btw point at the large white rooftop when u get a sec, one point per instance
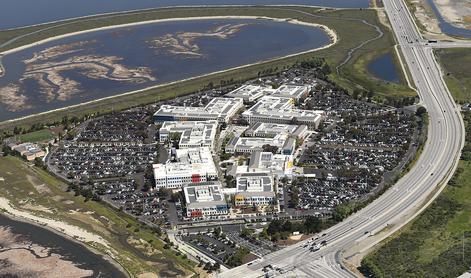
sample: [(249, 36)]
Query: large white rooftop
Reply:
[(281, 108), (291, 91), (203, 195), (188, 162), (192, 134), (250, 93), (218, 108), (273, 129)]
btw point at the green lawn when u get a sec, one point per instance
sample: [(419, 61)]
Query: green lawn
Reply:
[(438, 242), (34, 190), (36, 136), (457, 69), (346, 23)]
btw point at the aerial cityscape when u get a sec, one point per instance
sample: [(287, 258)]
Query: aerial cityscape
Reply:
[(233, 138)]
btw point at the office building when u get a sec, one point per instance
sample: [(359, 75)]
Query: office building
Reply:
[(218, 109), (192, 134), (255, 189), (250, 93), (205, 201), (281, 110), (294, 92), (185, 166)]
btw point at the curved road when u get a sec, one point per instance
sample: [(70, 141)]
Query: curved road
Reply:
[(404, 200)]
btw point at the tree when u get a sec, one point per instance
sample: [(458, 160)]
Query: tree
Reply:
[(207, 266), (420, 111), (341, 212), (270, 148), (87, 194), (246, 233), (312, 224), (326, 69), (163, 192), (147, 185), (217, 231), (175, 197)]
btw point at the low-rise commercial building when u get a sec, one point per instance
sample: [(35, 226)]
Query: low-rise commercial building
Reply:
[(271, 130), (295, 92), (29, 150), (185, 166), (281, 110), (278, 164), (253, 144), (205, 201), (218, 109), (255, 189), (250, 93), (192, 134)]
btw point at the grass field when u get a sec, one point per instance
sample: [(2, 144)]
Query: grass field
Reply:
[(438, 242), (133, 245), (457, 69), (36, 136), (346, 23)]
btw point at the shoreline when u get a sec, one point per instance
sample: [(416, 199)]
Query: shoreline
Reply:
[(330, 32), (137, 11), (450, 14), (2, 69), (8, 211)]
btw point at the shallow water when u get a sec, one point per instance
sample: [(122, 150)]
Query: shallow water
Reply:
[(110, 62), (383, 67), (67, 249), (447, 27)]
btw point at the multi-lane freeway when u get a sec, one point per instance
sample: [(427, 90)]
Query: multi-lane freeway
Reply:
[(406, 198)]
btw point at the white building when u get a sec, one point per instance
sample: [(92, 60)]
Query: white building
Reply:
[(218, 109), (281, 110), (253, 144), (277, 164), (185, 166), (271, 130), (250, 93), (192, 134), (255, 189), (291, 91), (205, 201)]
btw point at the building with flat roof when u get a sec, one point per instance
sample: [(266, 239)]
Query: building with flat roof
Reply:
[(271, 130), (253, 144), (218, 109), (185, 166), (295, 92), (250, 93), (255, 189), (205, 201), (281, 110), (192, 134), (29, 150), (277, 164)]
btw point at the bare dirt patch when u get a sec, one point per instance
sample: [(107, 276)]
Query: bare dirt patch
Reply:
[(38, 185)]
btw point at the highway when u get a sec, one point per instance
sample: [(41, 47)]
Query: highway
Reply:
[(451, 44), (408, 196)]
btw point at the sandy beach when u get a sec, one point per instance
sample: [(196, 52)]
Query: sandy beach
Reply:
[(2, 71), (65, 228), (457, 12), (332, 34)]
